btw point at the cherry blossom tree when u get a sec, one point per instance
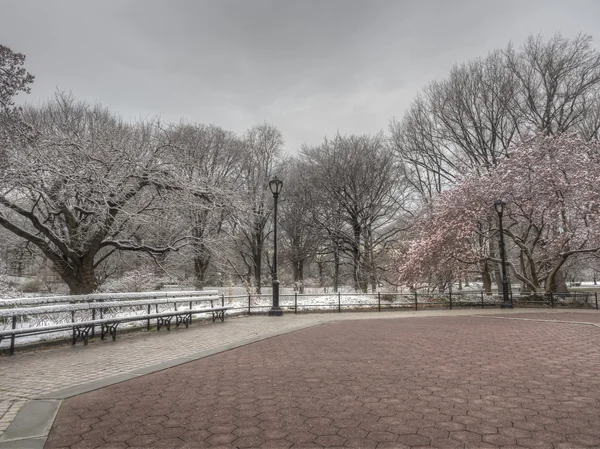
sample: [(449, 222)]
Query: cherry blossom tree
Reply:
[(551, 186)]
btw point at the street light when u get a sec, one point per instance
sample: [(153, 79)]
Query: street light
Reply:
[(275, 185), (507, 303)]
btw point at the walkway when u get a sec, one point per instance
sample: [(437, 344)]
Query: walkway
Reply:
[(434, 382)]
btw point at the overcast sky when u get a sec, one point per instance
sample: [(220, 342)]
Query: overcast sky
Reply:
[(309, 67)]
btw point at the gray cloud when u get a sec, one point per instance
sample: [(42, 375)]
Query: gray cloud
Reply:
[(310, 67)]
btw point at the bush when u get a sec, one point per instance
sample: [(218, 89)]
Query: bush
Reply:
[(137, 280), (8, 288), (31, 286), (388, 297)]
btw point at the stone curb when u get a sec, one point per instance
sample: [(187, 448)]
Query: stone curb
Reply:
[(33, 423)]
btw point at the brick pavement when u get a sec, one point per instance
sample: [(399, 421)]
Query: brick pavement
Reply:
[(30, 374), (33, 373), (445, 382), (590, 316)]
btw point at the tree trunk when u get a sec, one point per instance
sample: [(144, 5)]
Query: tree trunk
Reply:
[(321, 277), (79, 275), (257, 256), (301, 275), (356, 256), (336, 267), (556, 282), (200, 267), (486, 278)]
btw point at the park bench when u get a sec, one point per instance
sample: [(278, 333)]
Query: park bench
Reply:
[(84, 328), (99, 297)]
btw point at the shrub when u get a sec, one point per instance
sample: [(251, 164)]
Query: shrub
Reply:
[(31, 286)]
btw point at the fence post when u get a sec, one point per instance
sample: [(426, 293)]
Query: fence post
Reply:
[(450, 292), (379, 301), (551, 300), (596, 295), (249, 306), (295, 302), (93, 325), (12, 337), (148, 323), (339, 302), (416, 301), (482, 306), (222, 300)]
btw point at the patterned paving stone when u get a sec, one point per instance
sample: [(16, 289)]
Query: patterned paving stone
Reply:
[(443, 382)]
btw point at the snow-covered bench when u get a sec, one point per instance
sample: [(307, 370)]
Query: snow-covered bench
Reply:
[(102, 297), (82, 329)]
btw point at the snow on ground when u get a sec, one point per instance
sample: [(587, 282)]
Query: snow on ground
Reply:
[(49, 311)]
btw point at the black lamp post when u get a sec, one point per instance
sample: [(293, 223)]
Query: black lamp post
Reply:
[(506, 302), (275, 185)]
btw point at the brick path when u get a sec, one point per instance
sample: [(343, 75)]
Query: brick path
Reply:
[(556, 315), (27, 375), (30, 374), (445, 382)]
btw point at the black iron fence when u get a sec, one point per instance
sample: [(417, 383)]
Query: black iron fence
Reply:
[(381, 302), (338, 302)]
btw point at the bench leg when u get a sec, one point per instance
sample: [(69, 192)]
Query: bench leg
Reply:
[(1, 342), (219, 314), (160, 322), (109, 328), (183, 319), (81, 332)]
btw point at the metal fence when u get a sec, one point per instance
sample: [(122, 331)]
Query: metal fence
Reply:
[(354, 302)]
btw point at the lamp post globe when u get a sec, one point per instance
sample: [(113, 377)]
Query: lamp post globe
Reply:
[(499, 205), (275, 185)]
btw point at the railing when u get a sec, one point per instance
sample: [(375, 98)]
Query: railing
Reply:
[(99, 297), (44, 311), (338, 302)]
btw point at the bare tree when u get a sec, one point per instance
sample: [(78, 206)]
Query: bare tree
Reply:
[(262, 146), (469, 121), (299, 236), (88, 185), (559, 82), (211, 156), (361, 176)]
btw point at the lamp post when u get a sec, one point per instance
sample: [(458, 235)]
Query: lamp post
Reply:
[(506, 302), (275, 185)]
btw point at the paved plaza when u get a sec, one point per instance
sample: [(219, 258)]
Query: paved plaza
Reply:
[(467, 379)]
